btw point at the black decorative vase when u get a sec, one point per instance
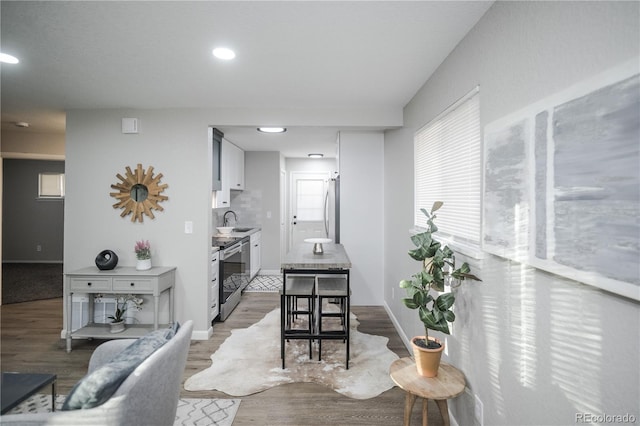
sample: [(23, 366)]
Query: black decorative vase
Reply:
[(106, 260)]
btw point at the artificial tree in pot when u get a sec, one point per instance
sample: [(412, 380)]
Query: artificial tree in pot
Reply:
[(438, 270)]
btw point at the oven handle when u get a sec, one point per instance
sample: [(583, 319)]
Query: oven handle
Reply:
[(230, 252)]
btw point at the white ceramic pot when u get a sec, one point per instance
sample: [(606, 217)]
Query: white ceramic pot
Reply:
[(143, 264), (117, 327)]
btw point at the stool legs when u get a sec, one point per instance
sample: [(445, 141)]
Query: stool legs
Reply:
[(336, 289), (343, 315), (295, 288), (409, 401)]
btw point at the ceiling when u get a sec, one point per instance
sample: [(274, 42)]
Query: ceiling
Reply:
[(295, 55)]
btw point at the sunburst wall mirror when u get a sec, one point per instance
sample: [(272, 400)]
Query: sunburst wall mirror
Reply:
[(139, 193)]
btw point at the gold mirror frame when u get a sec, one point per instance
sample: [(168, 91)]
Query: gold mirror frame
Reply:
[(131, 205)]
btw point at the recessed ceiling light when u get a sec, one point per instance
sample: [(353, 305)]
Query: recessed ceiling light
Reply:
[(8, 59), (272, 129), (224, 53), (316, 155)]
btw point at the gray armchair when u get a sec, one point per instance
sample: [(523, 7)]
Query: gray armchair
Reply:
[(148, 396)]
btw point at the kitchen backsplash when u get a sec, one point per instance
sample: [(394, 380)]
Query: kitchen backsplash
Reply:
[(246, 204)]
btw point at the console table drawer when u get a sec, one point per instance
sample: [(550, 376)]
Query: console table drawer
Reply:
[(133, 284), (90, 284)]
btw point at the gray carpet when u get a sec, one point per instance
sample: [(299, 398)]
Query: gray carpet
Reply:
[(24, 282)]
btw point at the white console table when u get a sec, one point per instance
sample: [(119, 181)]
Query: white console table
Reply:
[(121, 280)]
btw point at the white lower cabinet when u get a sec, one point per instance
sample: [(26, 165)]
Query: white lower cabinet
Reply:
[(256, 254), (214, 287)]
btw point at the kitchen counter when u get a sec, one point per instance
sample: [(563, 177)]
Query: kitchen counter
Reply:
[(234, 236), (301, 257)]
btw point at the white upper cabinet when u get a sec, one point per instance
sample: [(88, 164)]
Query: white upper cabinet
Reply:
[(232, 173), (236, 165)]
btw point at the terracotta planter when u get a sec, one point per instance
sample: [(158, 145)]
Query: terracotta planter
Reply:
[(427, 360)]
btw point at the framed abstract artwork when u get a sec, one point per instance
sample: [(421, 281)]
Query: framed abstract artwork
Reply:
[(562, 183)]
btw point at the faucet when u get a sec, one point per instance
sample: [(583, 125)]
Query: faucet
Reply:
[(225, 221)]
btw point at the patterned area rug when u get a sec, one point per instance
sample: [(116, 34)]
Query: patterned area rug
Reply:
[(265, 284), (191, 411), (256, 352)]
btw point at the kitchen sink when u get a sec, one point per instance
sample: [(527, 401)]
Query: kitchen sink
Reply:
[(242, 229)]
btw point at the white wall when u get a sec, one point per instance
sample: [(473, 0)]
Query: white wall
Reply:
[(175, 144), (262, 173), (362, 213), (536, 348)]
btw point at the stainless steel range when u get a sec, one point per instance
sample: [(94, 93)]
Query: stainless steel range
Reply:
[(234, 271)]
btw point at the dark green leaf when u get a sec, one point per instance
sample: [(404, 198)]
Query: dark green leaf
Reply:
[(426, 278), (422, 239), (450, 316), (409, 303), (445, 301)]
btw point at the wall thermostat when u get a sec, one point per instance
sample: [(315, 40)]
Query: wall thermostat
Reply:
[(129, 125)]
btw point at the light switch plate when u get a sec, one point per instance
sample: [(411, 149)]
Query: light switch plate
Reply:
[(188, 227)]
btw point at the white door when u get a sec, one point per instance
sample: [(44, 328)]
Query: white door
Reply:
[(308, 192)]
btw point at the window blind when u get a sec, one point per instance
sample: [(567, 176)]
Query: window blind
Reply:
[(448, 165)]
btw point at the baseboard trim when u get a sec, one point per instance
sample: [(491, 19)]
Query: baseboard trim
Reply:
[(396, 325), (202, 334)]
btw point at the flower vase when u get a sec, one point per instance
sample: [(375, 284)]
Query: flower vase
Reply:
[(143, 264)]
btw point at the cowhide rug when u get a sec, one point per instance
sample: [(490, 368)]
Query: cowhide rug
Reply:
[(249, 362)]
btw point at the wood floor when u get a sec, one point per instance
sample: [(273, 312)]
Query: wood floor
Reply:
[(30, 337)]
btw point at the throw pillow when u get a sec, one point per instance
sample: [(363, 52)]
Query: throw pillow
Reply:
[(96, 388)]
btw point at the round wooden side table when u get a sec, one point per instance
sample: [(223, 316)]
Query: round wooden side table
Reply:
[(449, 383)]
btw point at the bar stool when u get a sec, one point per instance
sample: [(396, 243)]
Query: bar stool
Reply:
[(336, 288), (296, 288)]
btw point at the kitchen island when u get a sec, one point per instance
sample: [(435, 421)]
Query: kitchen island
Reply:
[(301, 258), (333, 262)]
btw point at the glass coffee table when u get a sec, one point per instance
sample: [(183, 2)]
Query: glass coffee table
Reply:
[(16, 387)]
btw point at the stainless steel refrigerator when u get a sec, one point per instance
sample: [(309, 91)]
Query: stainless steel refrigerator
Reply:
[(332, 210)]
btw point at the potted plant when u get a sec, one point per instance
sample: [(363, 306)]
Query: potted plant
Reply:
[(438, 270), (122, 304), (143, 254)]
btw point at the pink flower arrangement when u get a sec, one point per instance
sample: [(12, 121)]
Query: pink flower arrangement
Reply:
[(143, 250)]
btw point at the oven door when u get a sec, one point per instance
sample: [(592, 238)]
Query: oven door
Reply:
[(234, 264)]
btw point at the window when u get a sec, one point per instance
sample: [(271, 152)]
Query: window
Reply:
[(51, 185), (448, 168), (310, 201)]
